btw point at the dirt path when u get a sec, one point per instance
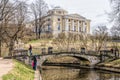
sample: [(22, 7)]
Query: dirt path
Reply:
[(5, 66), (37, 75)]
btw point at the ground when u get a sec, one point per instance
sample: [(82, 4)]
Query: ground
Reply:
[(5, 66)]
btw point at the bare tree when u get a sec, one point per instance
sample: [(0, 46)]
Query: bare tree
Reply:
[(115, 32), (100, 37), (4, 11), (115, 17), (39, 9), (68, 40), (60, 41), (84, 40), (17, 24)]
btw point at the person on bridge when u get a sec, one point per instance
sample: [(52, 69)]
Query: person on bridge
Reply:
[(111, 50), (30, 50)]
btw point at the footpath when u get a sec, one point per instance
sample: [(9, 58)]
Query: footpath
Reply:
[(37, 75), (5, 66)]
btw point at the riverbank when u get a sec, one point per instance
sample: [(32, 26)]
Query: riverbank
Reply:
[(6, 65), (110, 69), (112, 66), (20, 72)]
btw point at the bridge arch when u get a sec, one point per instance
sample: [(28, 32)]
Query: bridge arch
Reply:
[(92, 59), (64, 58)]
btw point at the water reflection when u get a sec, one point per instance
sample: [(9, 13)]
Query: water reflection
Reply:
[(78, 74)]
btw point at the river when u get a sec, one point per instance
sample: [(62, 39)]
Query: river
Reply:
[(78, 74)]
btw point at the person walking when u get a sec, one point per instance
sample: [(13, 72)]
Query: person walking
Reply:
[(34, 62), (30, 50)]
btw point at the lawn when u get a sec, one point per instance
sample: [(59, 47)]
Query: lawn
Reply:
[(20, 72), (114, 63)]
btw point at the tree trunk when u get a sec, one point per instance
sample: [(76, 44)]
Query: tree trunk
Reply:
[(11, 48), (0, 43), (39, 36), (0, 48), (36, 31), (36, 28)]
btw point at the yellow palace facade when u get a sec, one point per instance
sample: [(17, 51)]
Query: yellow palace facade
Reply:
[(58, 20)]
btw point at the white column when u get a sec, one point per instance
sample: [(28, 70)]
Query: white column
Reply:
[(78, 26), (66, 26), (73, 25)]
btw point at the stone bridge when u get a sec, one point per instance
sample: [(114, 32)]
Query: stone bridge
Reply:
[(93, 59)]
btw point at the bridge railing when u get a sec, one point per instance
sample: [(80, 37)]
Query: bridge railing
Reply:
[(50, 50), (82, 51), (18, 52)]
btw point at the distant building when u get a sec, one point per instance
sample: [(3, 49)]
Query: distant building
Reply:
[(58, 20)]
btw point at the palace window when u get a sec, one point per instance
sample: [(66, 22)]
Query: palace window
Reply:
[(79, 29), (69, 20), (69, 27), (74, 28), (49, 28), (59, 12), (58, 26), (80, 21), (58, 19), (85, 29)]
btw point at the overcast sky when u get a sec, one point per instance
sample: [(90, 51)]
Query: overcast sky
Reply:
[(95, 10)]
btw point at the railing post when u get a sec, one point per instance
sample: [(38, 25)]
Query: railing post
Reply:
[(50, 50), (73, 50), (101, 56), (43, 50), (82, 50)]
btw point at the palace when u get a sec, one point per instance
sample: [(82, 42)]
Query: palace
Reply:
[(58, 20)]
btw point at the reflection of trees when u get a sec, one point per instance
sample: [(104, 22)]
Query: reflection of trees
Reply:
[(77, 74), (106, 76), (83, 73), (60, 74), (116, 77)]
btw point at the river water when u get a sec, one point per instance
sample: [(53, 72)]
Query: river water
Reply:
[(78, 74)]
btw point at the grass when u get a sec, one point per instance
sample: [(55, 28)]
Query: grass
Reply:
[(20, 72), (34, 41), (114, 63), (39, 40)]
